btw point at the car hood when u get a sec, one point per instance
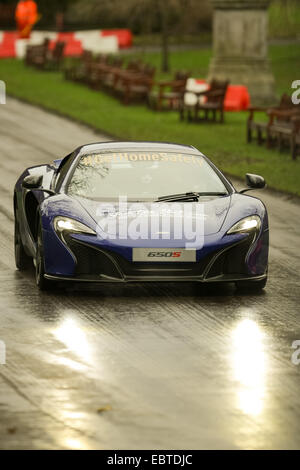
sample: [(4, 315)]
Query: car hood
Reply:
[(208, 215)]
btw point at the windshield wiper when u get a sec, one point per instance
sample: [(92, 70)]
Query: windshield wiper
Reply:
[(193, 196)]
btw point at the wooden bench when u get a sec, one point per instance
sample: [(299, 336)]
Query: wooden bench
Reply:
[(259, 129), (295, 141), (32, 51), (206, 109), (98, 69), (283, 130), (169, 93), (78, 69), (108, 72), (51, 59), (135, 86)]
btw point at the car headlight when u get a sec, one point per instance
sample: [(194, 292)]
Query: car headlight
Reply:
[(249, 224), (65, 224)]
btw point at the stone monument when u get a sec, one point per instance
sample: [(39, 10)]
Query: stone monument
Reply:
[(240, 47)]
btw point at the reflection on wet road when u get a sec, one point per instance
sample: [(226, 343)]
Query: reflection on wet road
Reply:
[(143, 366), (249, 361)]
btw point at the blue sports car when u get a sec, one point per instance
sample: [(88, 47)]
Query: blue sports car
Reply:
[(139, 211)]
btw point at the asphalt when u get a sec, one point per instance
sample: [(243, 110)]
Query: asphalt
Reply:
[(143, 366)]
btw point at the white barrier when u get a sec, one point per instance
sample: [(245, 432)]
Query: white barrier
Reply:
[(91, 40)]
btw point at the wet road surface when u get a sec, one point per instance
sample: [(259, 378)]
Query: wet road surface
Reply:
[(143, 366)]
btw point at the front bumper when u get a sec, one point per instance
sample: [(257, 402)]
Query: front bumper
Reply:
[(106, 279), (224, 264)]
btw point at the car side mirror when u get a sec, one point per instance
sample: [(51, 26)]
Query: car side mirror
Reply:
[(254, 182), (32, 182)]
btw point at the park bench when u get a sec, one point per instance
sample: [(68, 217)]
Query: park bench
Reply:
[(77, 70), (168, 95), (100, 67), (259, 129), (108, 73), (130, 83), (119, 74), (35, 50), (295, 141), (208, 103), (51, 59), (283, 130), (135, 85)]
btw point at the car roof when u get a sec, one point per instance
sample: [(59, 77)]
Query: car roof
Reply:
[(134, 146)]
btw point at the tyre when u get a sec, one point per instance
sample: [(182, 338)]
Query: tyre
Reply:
[(21, 258), (251, 286), (42, 283)]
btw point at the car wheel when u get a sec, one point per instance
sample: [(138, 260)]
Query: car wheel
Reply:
[(42, 283), (21, 258), (251, 286)]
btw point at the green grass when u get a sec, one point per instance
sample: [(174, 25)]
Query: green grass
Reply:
[(285, 63), (284, 19), (196, 61), (224, 144)]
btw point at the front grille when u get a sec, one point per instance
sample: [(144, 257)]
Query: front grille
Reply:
[(233, 260), (140, 269), (95, 261), (91, 260)]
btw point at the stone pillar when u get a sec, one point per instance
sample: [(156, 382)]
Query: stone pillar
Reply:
[(240, 47)]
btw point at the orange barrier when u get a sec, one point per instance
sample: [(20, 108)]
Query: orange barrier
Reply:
[(8, 44), (237, 98)]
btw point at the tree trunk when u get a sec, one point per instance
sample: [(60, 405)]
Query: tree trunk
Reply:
[(165, 67)]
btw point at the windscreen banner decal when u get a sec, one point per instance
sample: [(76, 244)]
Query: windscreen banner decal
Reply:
[(98, 159)]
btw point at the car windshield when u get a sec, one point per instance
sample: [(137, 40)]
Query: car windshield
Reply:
[(143, 176)]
